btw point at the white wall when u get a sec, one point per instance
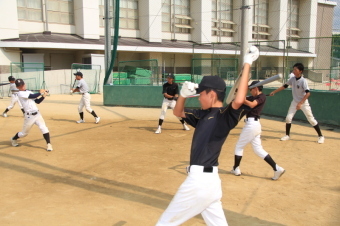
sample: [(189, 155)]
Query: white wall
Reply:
[(8, 19), (86, 13)]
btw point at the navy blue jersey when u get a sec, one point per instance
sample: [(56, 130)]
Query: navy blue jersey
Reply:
[(256, 111), (212, 128), (171, 89)]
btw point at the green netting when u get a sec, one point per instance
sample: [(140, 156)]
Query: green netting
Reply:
[(31, 73), (138, 72), (225, 68), (91, 74)]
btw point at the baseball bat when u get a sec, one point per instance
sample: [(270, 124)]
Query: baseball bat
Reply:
[(73, 85), (268, 80)]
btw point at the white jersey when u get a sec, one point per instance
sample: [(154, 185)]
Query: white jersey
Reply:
[(28, 104), (299, 87), (82, 86), (13, 87)]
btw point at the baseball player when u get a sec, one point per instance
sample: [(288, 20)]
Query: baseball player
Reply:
[(300, 91), (251, 132), (170, 93), (85, 99), (14, 96), (32, 114), (201, 192)]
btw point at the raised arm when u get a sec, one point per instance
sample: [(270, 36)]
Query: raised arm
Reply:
[(248, 59), (188, 89)]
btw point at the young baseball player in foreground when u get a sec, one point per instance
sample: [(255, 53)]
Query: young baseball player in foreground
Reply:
[(170, 93), (300, 91), (201, 192), (14, 97), (29, 100), (85, 99), (251, 132)]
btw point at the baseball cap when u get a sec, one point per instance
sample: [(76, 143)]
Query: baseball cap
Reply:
[(255, 82), (19, 82), (171, 76), (212, 82), (11, 78), (79, 73)]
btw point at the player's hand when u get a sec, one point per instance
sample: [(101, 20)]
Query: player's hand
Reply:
[(175, 98), (271, 94), (251, 55), (188, 89), (71, 91)]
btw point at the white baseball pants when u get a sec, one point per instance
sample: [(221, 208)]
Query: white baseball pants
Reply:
[(200, 193), (306, 109), (85, 101), (29, 121), (165, 105), (251, 133), (14, 99)]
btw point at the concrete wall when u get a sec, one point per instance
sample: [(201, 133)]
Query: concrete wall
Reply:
[(325, 112)]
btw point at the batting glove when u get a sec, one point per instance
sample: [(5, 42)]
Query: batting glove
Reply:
[(251, 55), (188, 89), (71, 91)]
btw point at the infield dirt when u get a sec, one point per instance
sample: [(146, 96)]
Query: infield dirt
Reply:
[(120, 173)]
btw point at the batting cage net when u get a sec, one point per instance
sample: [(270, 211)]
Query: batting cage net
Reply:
[(138, 72), (31, 73), (91, 74), (226, 68)]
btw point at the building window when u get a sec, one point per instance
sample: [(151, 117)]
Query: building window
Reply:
[(222, 14), (260, 26), (29, 10), (176, 16), (128, 14), (166, 16), (293, 20), (60, 11)]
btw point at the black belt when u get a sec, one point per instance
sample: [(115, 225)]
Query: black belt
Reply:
[(206, 169), (255, 118), (34, 113)]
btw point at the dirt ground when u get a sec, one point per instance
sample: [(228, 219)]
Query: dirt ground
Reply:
[(120, 173)]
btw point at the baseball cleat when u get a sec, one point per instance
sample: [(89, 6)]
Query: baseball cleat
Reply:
[(236, 171), (278, 173), (185, 127), (321, 139), (4, 114), (159, 130), (81, 121), (49, 147), (97, 120), (286, 137), (14, 142)]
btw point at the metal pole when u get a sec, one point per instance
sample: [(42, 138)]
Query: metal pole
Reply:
[(245, 23), (107, 19)]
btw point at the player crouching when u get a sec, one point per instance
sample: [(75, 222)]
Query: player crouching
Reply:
[(29, 100)]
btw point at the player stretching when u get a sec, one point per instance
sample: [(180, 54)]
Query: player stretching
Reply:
[(201, 192), (170, 93), (32, 114), (14, 97), (85, 99), (251, 132), (300, 91)]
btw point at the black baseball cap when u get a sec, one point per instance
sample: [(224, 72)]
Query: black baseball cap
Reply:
[(19, 82), (255, 82), (171, 76), (212, 82), (79, 73), (11, 78)]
